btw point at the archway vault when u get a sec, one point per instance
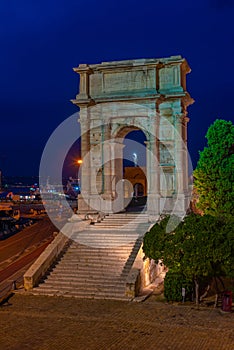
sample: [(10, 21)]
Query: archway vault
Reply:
[(117, 97)]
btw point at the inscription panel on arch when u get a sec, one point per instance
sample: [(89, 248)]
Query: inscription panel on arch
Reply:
[(129, 81)]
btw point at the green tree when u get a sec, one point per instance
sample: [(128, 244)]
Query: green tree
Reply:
[(214, 175), (206, 248), (201, 247)]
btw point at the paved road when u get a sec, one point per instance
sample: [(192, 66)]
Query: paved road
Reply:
[(59, 323), (23, 261), (21, 249), (22, 242)]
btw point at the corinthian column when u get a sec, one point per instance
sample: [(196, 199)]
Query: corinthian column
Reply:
[(153, 178), (181, 155), (83, 198)]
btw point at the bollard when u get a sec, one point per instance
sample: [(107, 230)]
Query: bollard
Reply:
[(183, 294), (227, 301)]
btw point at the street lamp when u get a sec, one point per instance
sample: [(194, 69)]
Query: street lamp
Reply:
[(79, 162), (135, 159)]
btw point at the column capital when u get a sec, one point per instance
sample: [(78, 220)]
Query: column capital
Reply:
[(83, 69), (83, 98)]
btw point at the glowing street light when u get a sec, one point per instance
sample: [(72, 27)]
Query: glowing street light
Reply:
[(79, 162), (135, 159)]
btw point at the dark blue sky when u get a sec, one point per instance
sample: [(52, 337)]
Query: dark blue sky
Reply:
[(41, 41)]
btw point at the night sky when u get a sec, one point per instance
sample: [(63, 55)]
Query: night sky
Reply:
[(41, 41)]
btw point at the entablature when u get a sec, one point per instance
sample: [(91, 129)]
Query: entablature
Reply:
[(132, 80)]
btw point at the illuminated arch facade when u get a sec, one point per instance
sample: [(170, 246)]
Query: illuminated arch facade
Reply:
[(117, 97)]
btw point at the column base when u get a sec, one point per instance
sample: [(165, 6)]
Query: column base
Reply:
[(177, 205), (95, 203), (153, 207)]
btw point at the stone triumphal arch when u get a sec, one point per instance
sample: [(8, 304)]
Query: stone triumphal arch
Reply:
[(118, 97)]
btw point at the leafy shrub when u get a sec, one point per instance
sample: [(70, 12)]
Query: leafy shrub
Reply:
[(173, 284)]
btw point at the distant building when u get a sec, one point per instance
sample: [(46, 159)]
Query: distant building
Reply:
[(137, 177)]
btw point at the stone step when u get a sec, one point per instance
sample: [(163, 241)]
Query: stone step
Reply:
[(98, 271), (91, 265), (100, 244), (95, 259), (114, 291), (99, 259), (73, 255), (116, 221), (120, 245), (70, 285), (80, 255), (79, 248), (117, 228), (83, 256), (94, 264), (104, 261), (120, 222), (124, 244), (90, 277), (103, 245), (103, 253), (123, 240), (127, 215), (85, 278), (83, 289), (142, 218), (114, 234), (118, 251), (129, 229), (88, 264), (76, 294), (107, 260)]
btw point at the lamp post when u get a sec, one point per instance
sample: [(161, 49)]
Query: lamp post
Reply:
[(79, 162), (135, 159)]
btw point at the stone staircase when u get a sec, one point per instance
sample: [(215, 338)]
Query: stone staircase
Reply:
[(98, 260)]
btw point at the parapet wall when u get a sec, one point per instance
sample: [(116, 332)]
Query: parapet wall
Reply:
[(44, 261)]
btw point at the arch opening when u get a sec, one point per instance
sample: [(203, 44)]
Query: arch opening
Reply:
[(134, 167)]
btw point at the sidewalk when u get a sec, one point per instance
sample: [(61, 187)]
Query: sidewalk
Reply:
[(54, 323)]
